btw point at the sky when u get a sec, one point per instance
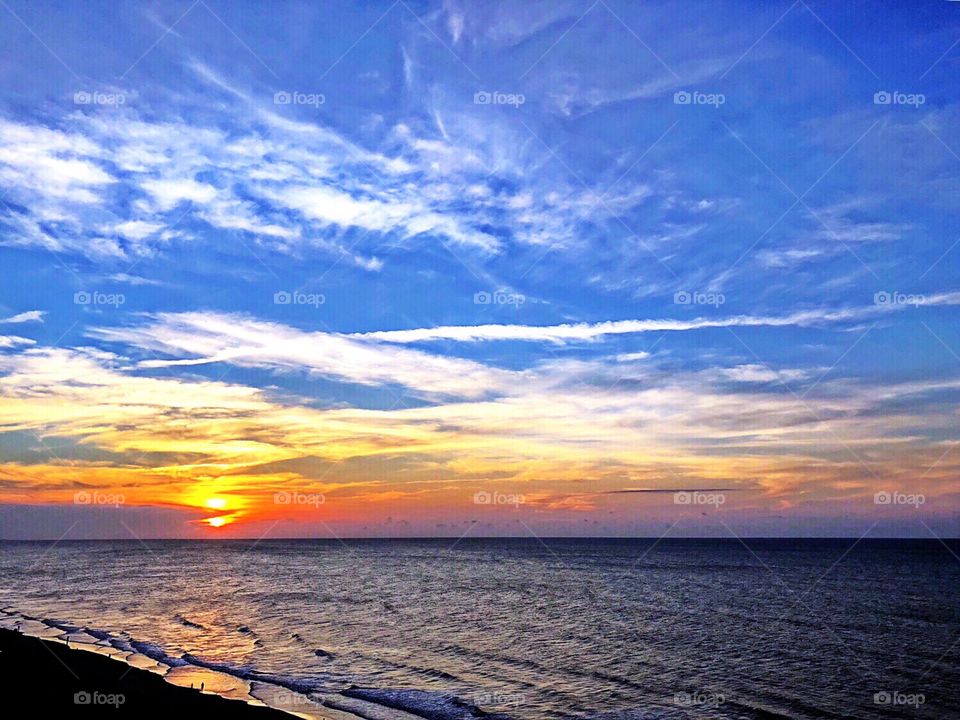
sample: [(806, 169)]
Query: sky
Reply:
[(534, 269)]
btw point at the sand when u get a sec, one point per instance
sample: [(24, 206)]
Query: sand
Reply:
[(62, 681)]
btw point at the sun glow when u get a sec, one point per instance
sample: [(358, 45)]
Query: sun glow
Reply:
[(216, 503)]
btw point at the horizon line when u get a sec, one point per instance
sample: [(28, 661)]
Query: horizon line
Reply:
[(344, 539)]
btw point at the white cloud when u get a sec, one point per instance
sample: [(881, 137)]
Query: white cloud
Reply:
[(632, 357), (28, 316), (238, 340), (754, 373), (136, 229), (296, 184), (132, 279), (785, 258), (170, 193), (57, 164), (593, 331)]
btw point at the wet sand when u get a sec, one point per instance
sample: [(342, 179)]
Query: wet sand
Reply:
[(76, 683)]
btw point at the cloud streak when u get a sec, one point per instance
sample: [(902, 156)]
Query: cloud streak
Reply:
[(594, 331), (243, 341)]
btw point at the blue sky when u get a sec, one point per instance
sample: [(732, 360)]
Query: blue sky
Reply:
[(558, 249)]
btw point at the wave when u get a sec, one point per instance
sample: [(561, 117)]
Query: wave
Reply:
[(188, 623), (424, 703)]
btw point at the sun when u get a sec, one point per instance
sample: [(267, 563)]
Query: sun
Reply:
[(226, 509)]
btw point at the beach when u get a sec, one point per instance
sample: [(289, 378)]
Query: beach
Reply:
[(79, 683)]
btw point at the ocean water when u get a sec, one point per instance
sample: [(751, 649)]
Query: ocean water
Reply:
[(598, 629)]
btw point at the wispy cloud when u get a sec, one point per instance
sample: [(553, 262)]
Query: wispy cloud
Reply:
[(25, 317), (593, 331), (213, 337)]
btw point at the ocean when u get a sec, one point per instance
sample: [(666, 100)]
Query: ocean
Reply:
[(528, 629)]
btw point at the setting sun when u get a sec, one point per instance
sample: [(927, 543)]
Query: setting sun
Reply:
[(216, 503)]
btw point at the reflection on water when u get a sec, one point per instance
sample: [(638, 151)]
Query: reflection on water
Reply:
[(611, 629)]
